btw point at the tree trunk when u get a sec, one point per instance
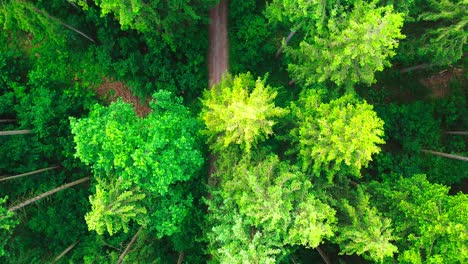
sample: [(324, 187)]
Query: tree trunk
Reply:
[(64, 24), (181, 258), (65, 251), (450, 156), (323, 255), (27, 173), (218, 55), (134, 238), (15, 132), (291, 34), (463, 133), (37, 198), (7, 120), (417, 67)]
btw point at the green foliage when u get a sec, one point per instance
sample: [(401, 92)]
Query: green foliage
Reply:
[(345, 131), (276, 197), (150, 154), (356, 45), (232, 239), (239, 111), (7, 224), (160, 17), (365, 231), (24, 15), (250, 45), (445, 43), (112, 210), (274, 202), (430, 223)]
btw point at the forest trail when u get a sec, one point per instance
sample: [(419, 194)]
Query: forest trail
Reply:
[(218, 54)]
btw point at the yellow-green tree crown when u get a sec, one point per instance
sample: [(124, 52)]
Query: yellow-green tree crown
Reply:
[(239, 111)]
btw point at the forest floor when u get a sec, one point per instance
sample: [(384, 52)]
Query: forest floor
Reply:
[(218, 54), (439, 83), (111, 90)]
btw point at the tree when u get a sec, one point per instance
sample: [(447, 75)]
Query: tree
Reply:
[(363, 231), (339, 136), (134, 158), (239, 111), (354, 47), (113, 209), (444, 43), (273, 200), (430, 223)]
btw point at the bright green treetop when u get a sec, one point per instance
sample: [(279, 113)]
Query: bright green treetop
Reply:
[(239, 111), (345, 131), (112, 210), (354, 46)]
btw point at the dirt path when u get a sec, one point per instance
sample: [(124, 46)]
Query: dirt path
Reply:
[(218, 55)]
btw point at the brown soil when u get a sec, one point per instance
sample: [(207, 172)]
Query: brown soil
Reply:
[(218, 55), (111, 90), (439, 83)]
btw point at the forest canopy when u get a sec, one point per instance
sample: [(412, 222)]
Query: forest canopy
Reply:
[(337, 133)]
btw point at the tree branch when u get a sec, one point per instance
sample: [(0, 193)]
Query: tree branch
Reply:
[(134, 238)]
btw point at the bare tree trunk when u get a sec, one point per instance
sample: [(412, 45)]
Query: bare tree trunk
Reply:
[(73, 4), (450, 156), (463, 133), (37, 198), (122, 256), (64, 24), (27, 173), (415, 68), (15, 132), (65, 251), (291, 34), (181, 258), (7, 120), (323, 255)]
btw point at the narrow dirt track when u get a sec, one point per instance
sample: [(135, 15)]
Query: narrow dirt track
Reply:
[(218, 55)]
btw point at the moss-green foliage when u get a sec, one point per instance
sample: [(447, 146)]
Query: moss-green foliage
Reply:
[(239, 111), (430, 223), (344, 132)]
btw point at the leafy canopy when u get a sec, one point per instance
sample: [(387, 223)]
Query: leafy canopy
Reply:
[(135, 158), (354, 46), (345, 131), (239, 111), (430, 222)]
